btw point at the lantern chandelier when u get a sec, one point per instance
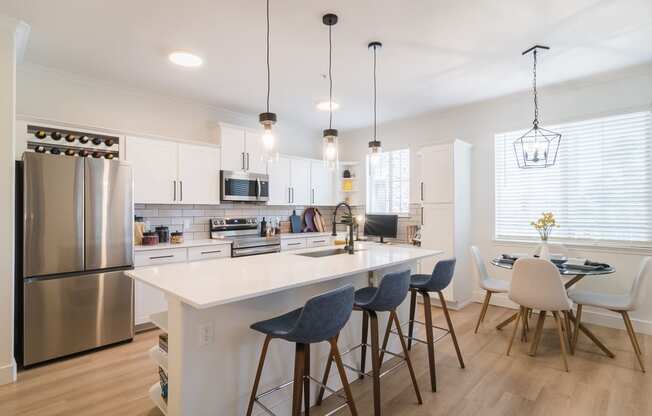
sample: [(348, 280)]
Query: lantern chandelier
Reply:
[(538, 147)]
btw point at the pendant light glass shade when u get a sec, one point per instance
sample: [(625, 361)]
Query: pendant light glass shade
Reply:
[(330, 142), (375, 147), (268, 119), (538, 147)]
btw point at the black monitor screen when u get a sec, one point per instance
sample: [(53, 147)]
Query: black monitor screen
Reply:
[(381, 225)]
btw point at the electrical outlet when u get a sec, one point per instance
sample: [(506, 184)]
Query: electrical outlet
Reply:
[(206, 334)]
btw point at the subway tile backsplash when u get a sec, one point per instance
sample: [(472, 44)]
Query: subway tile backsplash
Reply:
[(193, 220)]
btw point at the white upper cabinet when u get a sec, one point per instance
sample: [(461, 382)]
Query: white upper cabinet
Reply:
[(167, 172), (300, 181), (436, 163), (242, 149), (154, 164), (279, 181), (199, 179), (321, 184)]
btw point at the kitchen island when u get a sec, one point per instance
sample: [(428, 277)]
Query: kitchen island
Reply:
[(212, 353)]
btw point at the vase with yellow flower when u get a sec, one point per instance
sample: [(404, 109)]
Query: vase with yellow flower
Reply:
[(544, 226)]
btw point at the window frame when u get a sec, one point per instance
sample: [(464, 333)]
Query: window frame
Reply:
[(402, 214)]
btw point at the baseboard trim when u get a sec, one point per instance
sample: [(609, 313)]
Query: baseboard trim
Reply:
[(8, 373), (591, 315)]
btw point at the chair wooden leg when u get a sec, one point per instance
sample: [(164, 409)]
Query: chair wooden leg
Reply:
[(569, 332), (633, 339), (451, 329), (525, 327), (297, 387), (413, 308), (408, 361), (562, 340), (430, 339), (388, 331), (335, 353), (363, 348), (306, 381), (576, 332), (537, 333), (375, 356), (518, 320), (259, 371), (483, 311)]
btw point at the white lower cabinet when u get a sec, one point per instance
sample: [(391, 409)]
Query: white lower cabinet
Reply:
[(209, 252), (293, 244), (298, 242), (318, 241)]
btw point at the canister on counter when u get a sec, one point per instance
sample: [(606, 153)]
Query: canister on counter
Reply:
[(163, 234)]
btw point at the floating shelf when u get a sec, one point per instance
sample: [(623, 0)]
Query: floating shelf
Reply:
[(160, 357), (160, 319), (155, 396)]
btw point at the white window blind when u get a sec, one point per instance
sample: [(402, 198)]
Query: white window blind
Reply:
[(388, 183), (600, 189)]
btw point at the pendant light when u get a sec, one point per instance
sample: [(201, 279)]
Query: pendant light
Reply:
[(375, 147), (330, 150), (538, 147), (268, 119)]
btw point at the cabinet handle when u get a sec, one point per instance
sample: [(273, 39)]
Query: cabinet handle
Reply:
[(421, 215), (421, 191), (181, 190), (174, 185), (243, 161), (294, 244), (312, 196), (211, 252), (293, 195), (319, 241), (169, 256), (289, 195), (247, 161)]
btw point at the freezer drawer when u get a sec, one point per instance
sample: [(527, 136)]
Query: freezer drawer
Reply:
[(66, 315)]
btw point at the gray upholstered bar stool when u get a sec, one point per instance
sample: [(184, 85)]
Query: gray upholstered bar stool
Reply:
[(389, 294), (423, 284), (321, 319)]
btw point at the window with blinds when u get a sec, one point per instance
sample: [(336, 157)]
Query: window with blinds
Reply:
[(388, 183), (600, 189)]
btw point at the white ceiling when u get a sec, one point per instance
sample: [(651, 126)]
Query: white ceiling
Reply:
[(437, 53)]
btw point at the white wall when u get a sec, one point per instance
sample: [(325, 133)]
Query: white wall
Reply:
[(477, 123), (50, 94)]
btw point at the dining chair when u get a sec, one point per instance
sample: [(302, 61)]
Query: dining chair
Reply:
[(536, 284), (489, 284), (620, 303)]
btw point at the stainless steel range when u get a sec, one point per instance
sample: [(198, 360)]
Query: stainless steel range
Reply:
[(245, 234)]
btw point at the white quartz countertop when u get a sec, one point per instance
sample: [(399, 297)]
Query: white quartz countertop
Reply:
[(286, 236), (185, 244), (208, 283)]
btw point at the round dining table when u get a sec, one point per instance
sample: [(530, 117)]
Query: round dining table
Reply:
[(574, 275)]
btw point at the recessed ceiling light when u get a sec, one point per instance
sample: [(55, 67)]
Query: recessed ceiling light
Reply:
[(186, 59), (324, 106)]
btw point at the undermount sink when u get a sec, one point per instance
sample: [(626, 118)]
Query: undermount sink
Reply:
[(325, 253)]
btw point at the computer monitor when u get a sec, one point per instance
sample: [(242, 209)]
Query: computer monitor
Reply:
[(383, 226)]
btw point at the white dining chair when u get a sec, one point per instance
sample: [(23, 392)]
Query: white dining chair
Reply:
[(488, 283), (621, 303), (537, 284)]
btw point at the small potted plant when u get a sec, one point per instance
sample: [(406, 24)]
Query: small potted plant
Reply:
[(544, 226)]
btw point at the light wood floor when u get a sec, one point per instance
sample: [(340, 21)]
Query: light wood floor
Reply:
[(115, 381)]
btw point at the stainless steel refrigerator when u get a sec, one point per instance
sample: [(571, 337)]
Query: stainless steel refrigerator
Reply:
[(77, 241)]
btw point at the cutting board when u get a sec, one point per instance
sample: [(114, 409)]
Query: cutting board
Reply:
[(295, 222)]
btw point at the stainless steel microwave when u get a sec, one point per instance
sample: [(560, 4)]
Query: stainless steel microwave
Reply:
[(244, 186)]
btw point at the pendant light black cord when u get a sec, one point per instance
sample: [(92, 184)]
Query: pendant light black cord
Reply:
[(268, 67), (534, 88), (374, 93), (330, 77)]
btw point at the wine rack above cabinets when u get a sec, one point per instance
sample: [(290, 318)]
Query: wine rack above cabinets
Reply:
[(57, 141)]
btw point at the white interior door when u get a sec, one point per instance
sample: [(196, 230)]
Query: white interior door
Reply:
[(154, 164), (300, 181), (438, 233), (437, 174), (232, 140), (321, 184), (199, 174), (279, 181), (255, 152)]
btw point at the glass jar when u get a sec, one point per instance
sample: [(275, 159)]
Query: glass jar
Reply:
[(176, 237), (150, 238)]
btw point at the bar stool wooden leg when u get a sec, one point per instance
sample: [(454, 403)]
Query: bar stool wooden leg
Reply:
[(324, 381), (363, 348), (408, 361), (413, 308), (427, 309), (483, 311), (335, 353), (375, 356), (388, 331), (444, 306), (297, 387), (259, 371), (306, 381)]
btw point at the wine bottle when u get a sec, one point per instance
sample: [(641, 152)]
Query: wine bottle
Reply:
[(83, 153), (40, 134), (97, 141), (55, 151), (108, 142), (83, 139), (39, 149), (109, 156), (70, 152), (97, 155), (70, 138), (55, 135)]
